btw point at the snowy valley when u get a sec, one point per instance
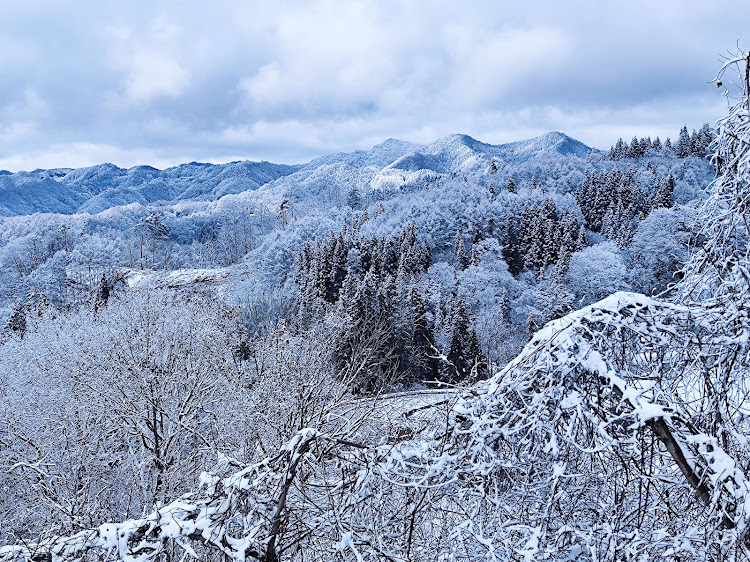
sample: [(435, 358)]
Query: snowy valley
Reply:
[(405, 353)]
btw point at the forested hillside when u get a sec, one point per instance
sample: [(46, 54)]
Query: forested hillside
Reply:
[(227, 332), (551, 222)]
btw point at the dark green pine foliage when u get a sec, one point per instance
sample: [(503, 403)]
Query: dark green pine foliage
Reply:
[(16, 323), (613, 200), (419, 352), (372, 286), (662, 196), (464, 356), (683, 147), (511, 249), (459, 248)]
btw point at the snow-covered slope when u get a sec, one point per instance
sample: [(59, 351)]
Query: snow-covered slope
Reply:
[(397, 165), (460, 152), (390, 164), (105, 186)]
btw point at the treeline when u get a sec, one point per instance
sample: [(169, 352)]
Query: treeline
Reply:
[(687, 144), (370, 290), (612, 202), (541, 237)]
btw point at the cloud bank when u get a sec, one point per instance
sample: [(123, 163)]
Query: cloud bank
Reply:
[(163, 82)]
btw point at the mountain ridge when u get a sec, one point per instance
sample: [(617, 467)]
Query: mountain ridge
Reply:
[(391, 163)]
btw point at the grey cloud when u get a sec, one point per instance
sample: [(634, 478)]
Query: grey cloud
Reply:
[(161, 82)]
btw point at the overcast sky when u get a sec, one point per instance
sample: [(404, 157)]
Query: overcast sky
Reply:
[(164, 82)]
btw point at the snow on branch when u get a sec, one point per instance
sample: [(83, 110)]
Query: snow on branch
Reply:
[(240, 517)]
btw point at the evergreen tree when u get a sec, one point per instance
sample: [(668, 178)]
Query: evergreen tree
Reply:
[(704, 140), (683, 146), (662, 196), (464, 354), (505, 308), (103, 293), (531, 326), (511, 186), (16, 323), (478, 235), (619, 151), (635, 148), (532, 238), (354, 197), (462, 258), (511, 251), (422, 345), (694, 143), (475, 257), (644, 146), (581, 241)]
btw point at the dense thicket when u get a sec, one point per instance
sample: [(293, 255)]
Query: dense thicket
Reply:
[(371, 289)]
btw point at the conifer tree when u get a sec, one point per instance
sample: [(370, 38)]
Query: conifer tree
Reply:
[(581, 241), (505, 308), (683, 146), (619, 150), (662, 196), (644, 146), (353, 197), (531, 326), (475, 257), (704, 140), (635, 148), (16, 323), (462, 258), (511, 251), (422, 342), (463, 354)]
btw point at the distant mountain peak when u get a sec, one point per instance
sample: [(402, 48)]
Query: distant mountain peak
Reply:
[(395, 143)]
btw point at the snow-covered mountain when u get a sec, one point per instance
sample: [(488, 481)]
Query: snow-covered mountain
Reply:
[(390, 164), (97, 188), (397, 165)]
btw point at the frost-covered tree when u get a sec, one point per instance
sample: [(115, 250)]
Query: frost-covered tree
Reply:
[(616, 434), (683, 147)]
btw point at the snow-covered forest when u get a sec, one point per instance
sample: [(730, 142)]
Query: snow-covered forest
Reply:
[(456, 351)]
